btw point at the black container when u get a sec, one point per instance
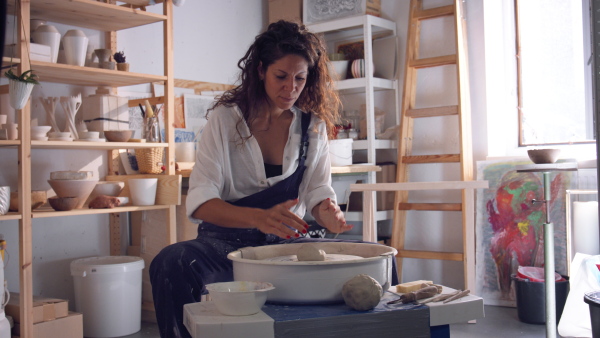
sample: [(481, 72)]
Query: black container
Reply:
[(531, 299), (593, 299)]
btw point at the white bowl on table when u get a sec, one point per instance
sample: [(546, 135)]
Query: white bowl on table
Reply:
[(239, 298)]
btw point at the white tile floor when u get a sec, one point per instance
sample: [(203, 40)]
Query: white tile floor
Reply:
[(499, 322)]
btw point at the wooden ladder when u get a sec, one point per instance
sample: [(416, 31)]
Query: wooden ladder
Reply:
[(464, 158)]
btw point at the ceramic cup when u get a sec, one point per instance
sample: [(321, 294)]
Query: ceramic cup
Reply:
[(4, 199), (48, 35), (185, 152), (75, 44), (12, 132), (143, 190)]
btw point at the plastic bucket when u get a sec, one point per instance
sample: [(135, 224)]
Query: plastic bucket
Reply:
[(593, 299), (531, 299), (340, 152), (108, 292)]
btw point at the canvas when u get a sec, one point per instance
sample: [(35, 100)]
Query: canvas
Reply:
[(509, 227)]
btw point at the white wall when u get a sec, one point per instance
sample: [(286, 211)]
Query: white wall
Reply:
[(209, 39)]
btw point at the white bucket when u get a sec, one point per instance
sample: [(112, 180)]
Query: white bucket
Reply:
[(108, 292), (340, 152)]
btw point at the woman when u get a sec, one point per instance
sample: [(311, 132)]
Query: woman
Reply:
[(262, 162)]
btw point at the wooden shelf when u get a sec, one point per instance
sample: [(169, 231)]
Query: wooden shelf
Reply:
[(9, 143), (90, 14), (87, 76), (94, 145), (7, 62), (10, 216), (46, 212)]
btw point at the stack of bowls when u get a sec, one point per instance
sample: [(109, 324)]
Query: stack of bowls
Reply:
[(40, 133), (77, 184)]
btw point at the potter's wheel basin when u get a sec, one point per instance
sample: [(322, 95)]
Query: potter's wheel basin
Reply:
[(311, 282)]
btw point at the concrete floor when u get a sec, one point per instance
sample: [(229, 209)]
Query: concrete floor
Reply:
[(499, 322)]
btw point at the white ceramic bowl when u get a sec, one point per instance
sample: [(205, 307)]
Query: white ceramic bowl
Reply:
[(89, 134), (338, 69), (239, 298), (39, 132), (73, 188)]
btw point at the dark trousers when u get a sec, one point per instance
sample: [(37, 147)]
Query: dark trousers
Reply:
[(180, 272)]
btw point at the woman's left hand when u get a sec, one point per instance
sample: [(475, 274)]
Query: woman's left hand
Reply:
[(330, 216)]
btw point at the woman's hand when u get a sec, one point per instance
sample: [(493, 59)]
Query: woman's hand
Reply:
[(329, 215), (280, 221)]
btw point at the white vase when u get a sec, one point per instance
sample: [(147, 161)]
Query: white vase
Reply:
[(75, 44), (19, 93), (49, 36)]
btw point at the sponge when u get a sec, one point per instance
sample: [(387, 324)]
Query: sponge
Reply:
[(411, 286)]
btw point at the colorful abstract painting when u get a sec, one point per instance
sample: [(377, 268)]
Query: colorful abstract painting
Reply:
[(510, 227)]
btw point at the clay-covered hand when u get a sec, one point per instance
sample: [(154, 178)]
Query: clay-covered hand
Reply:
[(104, 202), (280, 221), (330, 216)]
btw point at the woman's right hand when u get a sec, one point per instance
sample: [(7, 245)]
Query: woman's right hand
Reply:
[(280, 220)]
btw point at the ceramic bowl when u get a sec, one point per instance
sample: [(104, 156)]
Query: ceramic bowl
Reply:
[(118, 135), (338, 69), (543, 156), (74, 188), (60, 134), (63, 203), (89, 134), (239, 298), (108, 188), (38, 198), (39, 132)]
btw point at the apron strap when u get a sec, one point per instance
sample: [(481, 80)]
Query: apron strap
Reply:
[(304, 140)]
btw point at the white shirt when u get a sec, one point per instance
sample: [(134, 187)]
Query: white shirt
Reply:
[(228, 169)]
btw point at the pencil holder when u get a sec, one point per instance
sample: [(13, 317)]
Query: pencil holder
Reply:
[(149, 160)]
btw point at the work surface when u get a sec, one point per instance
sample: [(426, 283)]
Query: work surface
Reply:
[(402, 320)]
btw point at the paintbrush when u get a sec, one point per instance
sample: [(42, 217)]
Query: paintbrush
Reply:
[(142, 109)]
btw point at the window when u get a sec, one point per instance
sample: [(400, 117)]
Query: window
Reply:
[(554, 90)]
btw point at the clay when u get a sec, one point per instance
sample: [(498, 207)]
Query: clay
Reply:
[(362, 292), (104, 202), (309, 252)]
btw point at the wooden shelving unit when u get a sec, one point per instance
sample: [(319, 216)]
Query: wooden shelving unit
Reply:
[(107, 18)]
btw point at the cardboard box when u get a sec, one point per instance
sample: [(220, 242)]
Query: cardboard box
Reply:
[(385, 199), (290, 10), (44, 309), (70, 326)]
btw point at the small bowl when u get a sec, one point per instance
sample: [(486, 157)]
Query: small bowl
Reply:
[(118, 135), (239, 298), (63, 203), (543, 156), (88, 134), (39, 131)]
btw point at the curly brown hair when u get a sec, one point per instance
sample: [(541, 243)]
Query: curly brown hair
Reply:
[(283, 38)]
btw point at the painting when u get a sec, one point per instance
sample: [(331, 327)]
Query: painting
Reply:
[(509, 227)]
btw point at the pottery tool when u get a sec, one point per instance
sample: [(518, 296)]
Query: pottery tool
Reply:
[(425, 292), (461, 294), (142, 109)]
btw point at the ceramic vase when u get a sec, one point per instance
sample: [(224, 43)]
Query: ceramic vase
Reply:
[(49, 104), (75, 44), (358, 68), (35, 23), (104, 55), (4, 199), (19, 93), (48, 35), (71, 105)]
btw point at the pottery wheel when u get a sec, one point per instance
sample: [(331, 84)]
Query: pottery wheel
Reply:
[(329, 257)]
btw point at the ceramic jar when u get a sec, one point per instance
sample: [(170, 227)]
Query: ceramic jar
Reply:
[(48, 35), (75, 44), (4, 199), (358, 68)]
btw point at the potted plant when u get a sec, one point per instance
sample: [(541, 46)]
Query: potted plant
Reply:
[(121, 62), (20, 87)]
